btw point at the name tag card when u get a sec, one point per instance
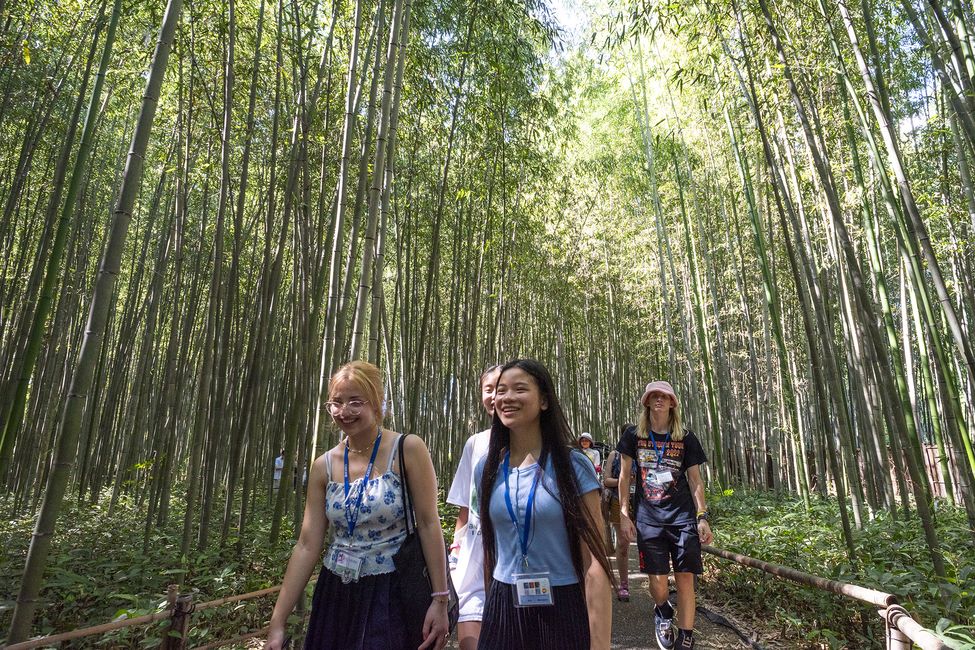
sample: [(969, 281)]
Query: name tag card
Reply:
[(662, 478), (347, 564), (533, 590)]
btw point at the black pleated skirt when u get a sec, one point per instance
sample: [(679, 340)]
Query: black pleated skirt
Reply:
[(361, 615), (562, 626)]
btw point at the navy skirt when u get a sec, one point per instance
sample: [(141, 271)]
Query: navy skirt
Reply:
[(562, 626), (362, 615)]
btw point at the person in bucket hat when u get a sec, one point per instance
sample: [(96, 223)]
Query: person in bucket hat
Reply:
[(671, 518), (585, 443)]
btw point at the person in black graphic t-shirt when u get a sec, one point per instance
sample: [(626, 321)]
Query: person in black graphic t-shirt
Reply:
[(671, 518)]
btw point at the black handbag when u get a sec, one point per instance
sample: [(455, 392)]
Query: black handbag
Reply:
[(413, 586)]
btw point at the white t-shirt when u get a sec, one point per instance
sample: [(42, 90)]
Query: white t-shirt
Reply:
[(278, 466), (593, 455), (462, 489), (468, 575)]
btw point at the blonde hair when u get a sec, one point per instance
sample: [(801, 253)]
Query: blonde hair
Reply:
[(676, 428), (366, 377)]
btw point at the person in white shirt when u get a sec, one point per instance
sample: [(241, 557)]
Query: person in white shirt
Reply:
[(585, 443), (278, 468), (466, 551)]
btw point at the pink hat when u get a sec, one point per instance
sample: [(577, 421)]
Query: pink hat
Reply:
[(659, 387)]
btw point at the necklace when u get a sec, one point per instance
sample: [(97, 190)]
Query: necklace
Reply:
[(360, 451)]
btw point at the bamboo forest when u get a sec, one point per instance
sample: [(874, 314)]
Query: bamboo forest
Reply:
[(208, 206)]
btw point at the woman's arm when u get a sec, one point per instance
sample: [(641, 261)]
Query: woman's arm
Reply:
[(608, 480), (304, 557), (423, 490), (626, 523), (462, 516), (697, 492), (599, 598)]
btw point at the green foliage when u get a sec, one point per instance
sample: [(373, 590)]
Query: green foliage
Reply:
[(892, 557), (98, 572)]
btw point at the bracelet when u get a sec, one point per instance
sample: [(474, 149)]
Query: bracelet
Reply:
[(440, 593), (705, 515), (453, 546)]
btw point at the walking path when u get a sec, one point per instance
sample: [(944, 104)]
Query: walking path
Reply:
[(633, 621)]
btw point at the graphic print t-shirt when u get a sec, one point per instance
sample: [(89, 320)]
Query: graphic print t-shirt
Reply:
[(663, 502)]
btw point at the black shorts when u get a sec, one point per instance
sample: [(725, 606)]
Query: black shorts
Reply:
[(659, 545)]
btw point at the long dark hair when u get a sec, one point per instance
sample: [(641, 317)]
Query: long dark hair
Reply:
[(557, 439)]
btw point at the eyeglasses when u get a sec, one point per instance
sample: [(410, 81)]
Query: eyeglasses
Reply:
[(352, 408)]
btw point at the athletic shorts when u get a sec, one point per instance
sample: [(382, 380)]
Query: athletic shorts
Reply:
[(662, 545)]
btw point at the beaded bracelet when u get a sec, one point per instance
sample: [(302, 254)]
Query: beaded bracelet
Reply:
[(439, 593)]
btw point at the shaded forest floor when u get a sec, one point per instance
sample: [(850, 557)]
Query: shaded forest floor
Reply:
[(99, 572)]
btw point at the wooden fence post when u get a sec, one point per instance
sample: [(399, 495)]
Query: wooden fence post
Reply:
[(179, 622)]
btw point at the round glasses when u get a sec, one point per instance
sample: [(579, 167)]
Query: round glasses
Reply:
[(353, 407)]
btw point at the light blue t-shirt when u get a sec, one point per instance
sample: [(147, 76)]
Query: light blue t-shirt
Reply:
[(548, 545)]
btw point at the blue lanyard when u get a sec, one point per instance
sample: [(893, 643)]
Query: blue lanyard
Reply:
[(352, 512), (663, 447), (524, 534)]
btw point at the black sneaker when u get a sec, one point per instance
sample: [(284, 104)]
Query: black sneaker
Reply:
[(665, 631), (685, 641)]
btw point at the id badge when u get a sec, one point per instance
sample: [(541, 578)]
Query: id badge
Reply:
[(662, 478), (532, 590), (347, 565)]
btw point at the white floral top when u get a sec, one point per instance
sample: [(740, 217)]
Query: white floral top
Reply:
[(381, 526)]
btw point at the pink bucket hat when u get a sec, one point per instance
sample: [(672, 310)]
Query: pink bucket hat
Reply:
[(659, 387)]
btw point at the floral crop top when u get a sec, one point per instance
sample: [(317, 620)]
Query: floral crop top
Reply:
[(381, 525)]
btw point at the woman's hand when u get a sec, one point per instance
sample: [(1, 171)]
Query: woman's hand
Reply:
[(435, 626), (275, 639), (627, 529), (704, 531)]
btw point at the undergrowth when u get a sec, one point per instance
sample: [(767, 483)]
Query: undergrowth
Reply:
[(97, 572), (891, 556)]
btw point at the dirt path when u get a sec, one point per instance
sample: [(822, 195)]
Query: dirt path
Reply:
[(633, 621)]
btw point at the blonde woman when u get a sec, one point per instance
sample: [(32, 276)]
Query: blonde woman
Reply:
[(355, 489), (671, 518)]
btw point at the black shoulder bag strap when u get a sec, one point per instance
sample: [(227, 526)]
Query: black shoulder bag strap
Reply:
[(405, 487)]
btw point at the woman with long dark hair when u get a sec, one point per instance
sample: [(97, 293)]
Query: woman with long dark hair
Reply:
[(544, 558)]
